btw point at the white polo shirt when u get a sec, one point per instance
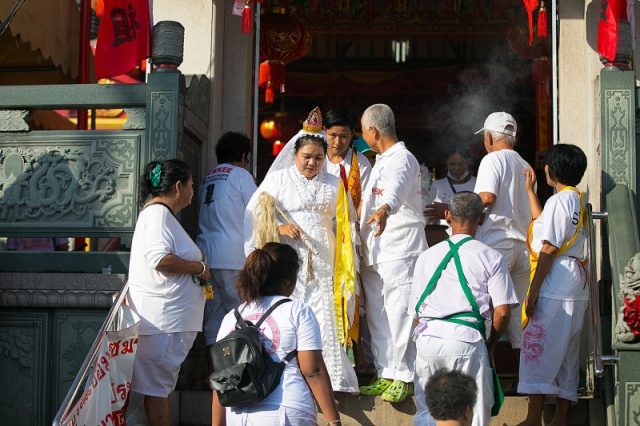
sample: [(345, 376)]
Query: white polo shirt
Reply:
[(488, 279), (223, 197), (395, 181), (557, 224), (363, 164), (502, 173)]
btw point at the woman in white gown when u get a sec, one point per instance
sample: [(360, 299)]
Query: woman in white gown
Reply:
[(305, 207)]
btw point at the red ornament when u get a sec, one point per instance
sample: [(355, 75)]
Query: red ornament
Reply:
[(269, 129), (247, 23), (542, 21), (276, 147), (271, 76), (631, 314), (283, 39), (530, 6)]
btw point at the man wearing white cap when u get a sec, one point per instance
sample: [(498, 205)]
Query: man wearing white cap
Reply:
[(500, 184)]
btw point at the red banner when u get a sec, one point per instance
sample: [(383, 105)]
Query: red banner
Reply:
[(123, 37), (612, 12)]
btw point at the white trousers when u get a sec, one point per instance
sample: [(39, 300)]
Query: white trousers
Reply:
[(470, 358), (269, 416), (550, 356), (225, 298), (387, 289), (516, 257)]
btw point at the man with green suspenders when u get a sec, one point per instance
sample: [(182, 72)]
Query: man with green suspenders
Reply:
[(462, 296)]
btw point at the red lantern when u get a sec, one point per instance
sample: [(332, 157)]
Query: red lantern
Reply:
[(283, 39), (269, 130), (276, 147)]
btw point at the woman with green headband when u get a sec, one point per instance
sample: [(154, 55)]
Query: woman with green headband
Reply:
[(165, 272)]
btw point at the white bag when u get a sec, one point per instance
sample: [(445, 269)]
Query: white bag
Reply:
[(104, 399)]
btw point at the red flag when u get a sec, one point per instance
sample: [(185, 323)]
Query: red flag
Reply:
[(123, 37), (612, 12)]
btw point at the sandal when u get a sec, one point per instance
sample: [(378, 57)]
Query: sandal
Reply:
[(376, 388), (398, 391)]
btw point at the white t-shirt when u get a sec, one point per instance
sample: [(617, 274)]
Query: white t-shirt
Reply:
[(166, 303), (557, 224), (488, 279), (223, 198), (363, 164), (501, 173), (441, 192), (291, 326), (395, 181)]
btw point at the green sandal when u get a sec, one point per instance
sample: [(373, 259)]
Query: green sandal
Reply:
[(398, 391), (376, 388)]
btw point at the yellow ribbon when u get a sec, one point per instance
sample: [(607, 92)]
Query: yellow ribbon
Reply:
[(533, 256)]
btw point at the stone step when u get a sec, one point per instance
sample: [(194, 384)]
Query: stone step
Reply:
[(195, 410)]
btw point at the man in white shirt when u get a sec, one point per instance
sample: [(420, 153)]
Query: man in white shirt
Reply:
[(392, 231), (500, 183), (460, 276), (223, 197), (339, 125)]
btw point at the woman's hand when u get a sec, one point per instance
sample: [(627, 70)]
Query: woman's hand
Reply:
[(530, 179), (206, 272), (290, 230)]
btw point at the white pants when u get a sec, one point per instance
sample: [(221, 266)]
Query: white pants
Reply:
[(550, 356), (470, 358), (225, 298), (516, 257), (269, 416), (387, 289)]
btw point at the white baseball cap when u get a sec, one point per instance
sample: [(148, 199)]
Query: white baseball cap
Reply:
[(498, 122)]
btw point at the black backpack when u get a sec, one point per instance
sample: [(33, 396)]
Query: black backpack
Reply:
[(243, 371)]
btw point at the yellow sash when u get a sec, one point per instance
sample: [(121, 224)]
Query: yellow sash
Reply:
[(533, 256), (354, 183)]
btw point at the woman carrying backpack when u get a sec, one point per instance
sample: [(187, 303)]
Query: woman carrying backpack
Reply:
[(269, 276)]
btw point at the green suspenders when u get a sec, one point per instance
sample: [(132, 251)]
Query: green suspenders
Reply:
[(471, 319)]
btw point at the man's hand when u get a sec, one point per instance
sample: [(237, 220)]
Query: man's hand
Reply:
[(290, 230), (531, 303), (380, 219), (435, 210)]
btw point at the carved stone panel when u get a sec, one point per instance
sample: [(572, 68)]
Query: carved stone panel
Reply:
[(73, 333), (14, 120), (23, 370), (80, 183), (618, 125), (632, 403), (163, 119)]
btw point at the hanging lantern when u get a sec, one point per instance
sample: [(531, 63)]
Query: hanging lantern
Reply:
[(269, 130), (276, 147), (283, 39), (542, 21), (282, 127)]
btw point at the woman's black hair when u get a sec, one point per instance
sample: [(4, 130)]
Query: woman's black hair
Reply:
[(231, 146), (269, 271), (310, 139), (567, 164), (160, 177), (339, 117)]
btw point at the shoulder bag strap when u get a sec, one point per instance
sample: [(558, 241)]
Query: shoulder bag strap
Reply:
[(453, 188), (239, 319), (270, 310)]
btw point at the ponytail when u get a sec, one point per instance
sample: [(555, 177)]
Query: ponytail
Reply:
[(270, 271)]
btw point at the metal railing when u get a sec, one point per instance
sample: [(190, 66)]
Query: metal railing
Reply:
[(594, 293), (91, 357)]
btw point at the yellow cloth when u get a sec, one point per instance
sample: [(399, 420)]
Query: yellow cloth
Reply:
[(344, 275), (533, 256), (354, 183)]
